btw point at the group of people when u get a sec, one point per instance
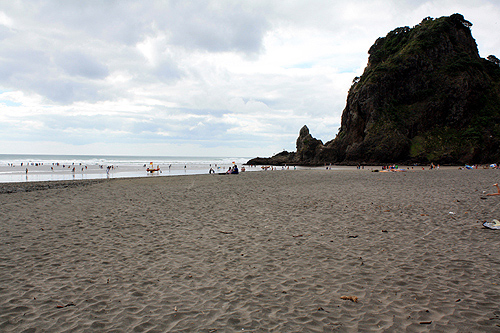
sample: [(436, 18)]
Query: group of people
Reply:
[(233, 170), (52, 167)]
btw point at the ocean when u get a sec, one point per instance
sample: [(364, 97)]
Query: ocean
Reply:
[(23, 168)]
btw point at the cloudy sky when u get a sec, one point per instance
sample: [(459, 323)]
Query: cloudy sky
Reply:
[(193, 78)]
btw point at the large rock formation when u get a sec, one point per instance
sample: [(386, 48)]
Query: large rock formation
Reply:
[(425, 96)]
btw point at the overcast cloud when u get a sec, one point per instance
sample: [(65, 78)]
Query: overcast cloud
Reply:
[(203, 78)]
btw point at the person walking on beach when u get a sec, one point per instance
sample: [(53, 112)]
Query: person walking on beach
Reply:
[(498, 190)]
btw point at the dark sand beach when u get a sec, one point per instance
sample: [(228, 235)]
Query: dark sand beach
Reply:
[(267, 251)]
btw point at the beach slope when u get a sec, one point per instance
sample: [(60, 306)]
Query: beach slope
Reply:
[(308, 250)]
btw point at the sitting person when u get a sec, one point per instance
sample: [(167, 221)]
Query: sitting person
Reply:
[(498, 190), (234, 171)]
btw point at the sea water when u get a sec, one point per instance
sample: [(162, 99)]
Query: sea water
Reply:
[(22, 168)]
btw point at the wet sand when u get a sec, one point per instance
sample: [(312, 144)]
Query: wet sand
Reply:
[(259, 251), (47, 172)]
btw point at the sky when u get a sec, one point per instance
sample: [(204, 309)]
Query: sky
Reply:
[(193, 78)]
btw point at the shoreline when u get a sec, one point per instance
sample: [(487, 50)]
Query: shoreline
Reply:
[(44, 173), (37, 172), (30, 185), (27, 168)]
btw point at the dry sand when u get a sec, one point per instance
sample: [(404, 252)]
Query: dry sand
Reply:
[(261, 252)]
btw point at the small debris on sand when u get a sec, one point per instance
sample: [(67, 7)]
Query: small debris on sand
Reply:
[(349, 298)]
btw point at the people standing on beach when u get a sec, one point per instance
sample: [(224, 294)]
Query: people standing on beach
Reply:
[(498, 190)]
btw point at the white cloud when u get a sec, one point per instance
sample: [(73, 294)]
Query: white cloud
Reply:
[(204, 77), (5, 20)]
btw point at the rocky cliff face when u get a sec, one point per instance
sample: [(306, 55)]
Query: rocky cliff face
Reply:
[(425, 96)]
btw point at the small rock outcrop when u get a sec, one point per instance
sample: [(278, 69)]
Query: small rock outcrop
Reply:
[(308, 150), (425, 96), (307, 147)]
